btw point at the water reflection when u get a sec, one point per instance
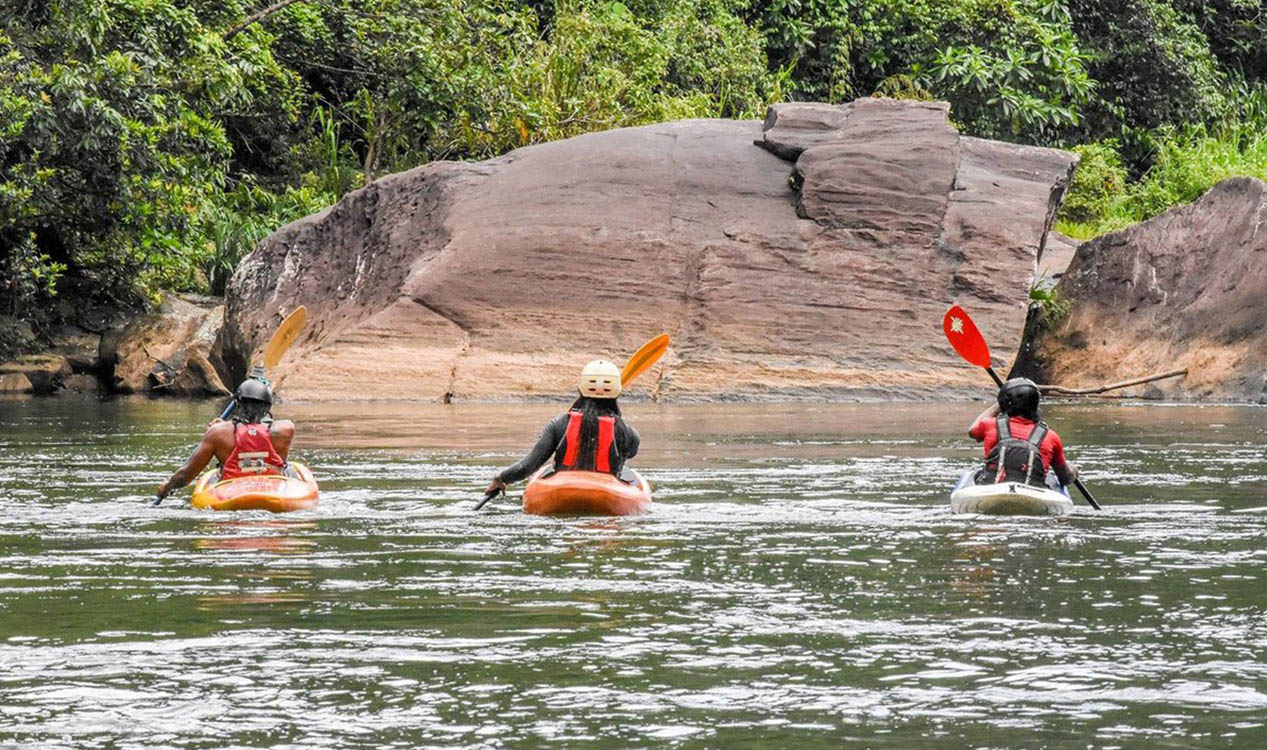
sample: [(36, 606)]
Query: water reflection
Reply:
[(262, 535)]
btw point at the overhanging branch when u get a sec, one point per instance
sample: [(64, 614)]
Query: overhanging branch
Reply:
[(254, 17)]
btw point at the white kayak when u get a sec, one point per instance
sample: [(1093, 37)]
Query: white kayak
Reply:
[(1007, 499)]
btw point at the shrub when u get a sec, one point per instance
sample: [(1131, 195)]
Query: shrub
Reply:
[(1097, 184)]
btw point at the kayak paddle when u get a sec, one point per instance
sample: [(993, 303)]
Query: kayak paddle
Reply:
[(644, 358), (489, 496), (641, 361), (966, 339), (1085, 493), (278, 343), (284, 336)]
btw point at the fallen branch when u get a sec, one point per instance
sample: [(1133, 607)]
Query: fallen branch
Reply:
[(1061, 390)]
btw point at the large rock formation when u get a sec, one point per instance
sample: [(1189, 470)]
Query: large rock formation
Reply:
[(817, 265), (1184, 289), (166, 353)]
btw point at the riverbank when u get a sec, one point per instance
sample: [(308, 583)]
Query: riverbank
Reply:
[(170, 351)]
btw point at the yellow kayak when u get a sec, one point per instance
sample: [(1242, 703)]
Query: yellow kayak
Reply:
[(275, 493)]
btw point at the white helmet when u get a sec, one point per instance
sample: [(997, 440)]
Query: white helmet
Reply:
[(600, 379)]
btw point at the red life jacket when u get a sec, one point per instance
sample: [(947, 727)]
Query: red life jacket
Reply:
[(605, 459), (1015, 459), (253, 453)]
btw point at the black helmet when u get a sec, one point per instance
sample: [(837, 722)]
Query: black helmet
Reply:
[(1019, 398), (255, 390)]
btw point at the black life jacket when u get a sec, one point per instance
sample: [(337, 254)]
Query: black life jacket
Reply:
[(1016, 460), (606, 457)]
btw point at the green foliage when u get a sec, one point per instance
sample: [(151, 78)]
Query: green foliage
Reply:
[(1188, 162), (144, 148), (1033, 86), (1052, 308), (113, 140), (1011, 69), (1153, 64), (1098, 182), (1234, 29), (236, 221), (28, 277)]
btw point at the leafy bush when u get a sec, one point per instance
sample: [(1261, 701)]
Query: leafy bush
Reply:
[(1153, 64), (1099, 181), (1188, 162), (1010, 70), (112, 140), (1052, 308)]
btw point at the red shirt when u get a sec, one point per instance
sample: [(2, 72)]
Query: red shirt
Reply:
[(1052, 449)]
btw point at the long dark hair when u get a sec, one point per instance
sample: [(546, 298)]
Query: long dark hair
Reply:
[(591, 409), (252, 411)]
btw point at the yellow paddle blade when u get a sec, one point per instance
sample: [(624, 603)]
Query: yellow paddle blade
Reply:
[(642, 359), (284, 336)]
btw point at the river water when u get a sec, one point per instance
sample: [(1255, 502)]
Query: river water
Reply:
[(800, 583)]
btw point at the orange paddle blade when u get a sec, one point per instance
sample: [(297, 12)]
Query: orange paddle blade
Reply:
[(284, 336), (642, 359), (963, 335)]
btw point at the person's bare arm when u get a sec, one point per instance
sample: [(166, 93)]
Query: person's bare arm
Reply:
[(203, 454), (990, 413), (282, 432)]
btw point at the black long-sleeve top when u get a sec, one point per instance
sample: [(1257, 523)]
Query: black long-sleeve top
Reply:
[(627, 442)]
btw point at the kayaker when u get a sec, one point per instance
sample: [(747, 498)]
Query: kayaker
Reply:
[(1012, 427), (590, 436), (251, 443)]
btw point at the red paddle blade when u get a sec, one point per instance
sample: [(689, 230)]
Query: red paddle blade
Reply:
[(962, 334)]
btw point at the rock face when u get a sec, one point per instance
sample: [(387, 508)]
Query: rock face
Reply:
[(1184, 289), (44, 372), (815, 264), (82, 384), (15, 383), (166, 353)]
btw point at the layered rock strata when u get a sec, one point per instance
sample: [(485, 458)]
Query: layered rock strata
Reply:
[(817, 265)]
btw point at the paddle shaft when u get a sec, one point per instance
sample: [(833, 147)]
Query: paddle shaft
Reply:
[(1085, 493)]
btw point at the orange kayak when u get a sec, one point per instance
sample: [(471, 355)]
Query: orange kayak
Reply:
[(278, 494), (585, 493)]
